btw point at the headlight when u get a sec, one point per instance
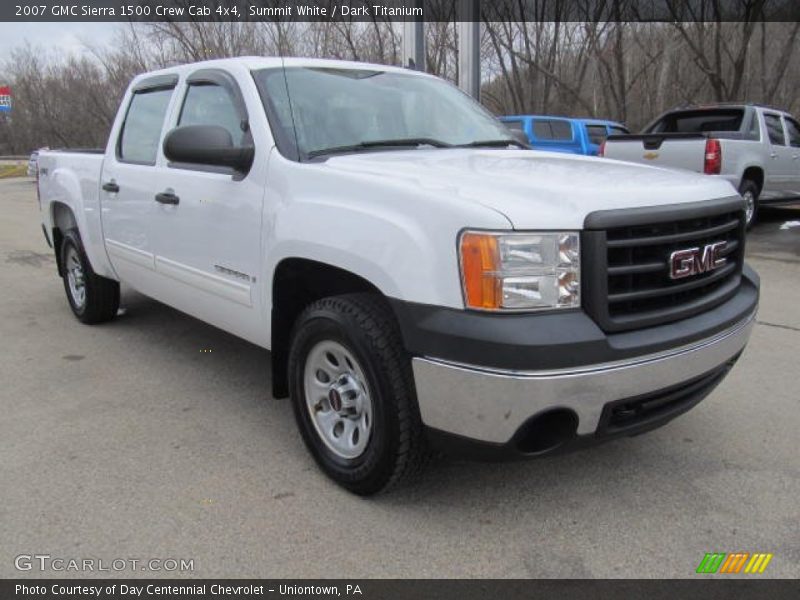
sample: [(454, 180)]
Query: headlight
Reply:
[(520, 271)]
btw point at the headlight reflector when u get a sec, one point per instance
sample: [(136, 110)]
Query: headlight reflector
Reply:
[(520, 271)]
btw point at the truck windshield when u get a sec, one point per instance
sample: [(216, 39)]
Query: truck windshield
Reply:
[(318, 111)]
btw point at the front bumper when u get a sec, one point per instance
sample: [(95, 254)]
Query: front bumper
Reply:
[(485, 410)]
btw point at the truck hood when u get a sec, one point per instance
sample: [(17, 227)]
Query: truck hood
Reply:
[(532, 189)]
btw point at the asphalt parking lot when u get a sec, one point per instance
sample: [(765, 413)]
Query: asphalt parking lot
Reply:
[(155, 436)]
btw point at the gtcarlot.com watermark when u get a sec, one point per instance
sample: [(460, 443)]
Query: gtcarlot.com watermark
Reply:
[(46, 562)]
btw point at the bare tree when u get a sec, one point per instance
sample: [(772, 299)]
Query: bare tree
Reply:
[(586, 62), (719, 49)]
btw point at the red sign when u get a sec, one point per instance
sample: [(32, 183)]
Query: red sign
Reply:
[(5, 98)]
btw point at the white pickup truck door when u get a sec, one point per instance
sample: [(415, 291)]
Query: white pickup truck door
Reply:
[(207, 224), (129, 173), (780, 163)]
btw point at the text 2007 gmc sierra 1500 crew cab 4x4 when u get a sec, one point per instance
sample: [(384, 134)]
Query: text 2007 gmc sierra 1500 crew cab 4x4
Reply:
[(755, 147), (422, 281)]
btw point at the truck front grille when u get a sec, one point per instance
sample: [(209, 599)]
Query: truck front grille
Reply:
[(629, 284)]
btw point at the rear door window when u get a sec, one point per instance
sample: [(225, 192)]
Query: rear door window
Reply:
[(793, 129), (701, 121), (541, 130), (551, 129), (515, 125), (141, 131), (562, 130), (774, 129)]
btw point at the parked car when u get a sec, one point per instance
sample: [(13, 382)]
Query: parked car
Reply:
[(756, 148), (421, 281), (561, 134), (33, 167)]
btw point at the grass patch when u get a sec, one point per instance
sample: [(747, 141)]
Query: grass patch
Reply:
[(13, 171)]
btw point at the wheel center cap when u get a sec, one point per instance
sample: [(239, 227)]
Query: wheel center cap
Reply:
[(335, 398)]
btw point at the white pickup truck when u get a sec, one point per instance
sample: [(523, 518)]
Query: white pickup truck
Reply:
[(422, 281), (754, 147)]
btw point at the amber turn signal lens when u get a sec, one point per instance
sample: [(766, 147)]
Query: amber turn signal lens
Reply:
[(480, 263)]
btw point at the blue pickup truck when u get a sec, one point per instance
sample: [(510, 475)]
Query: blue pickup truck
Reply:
[(562, 134)]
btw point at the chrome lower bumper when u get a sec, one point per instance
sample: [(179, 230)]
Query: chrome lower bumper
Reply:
[(490, 405)]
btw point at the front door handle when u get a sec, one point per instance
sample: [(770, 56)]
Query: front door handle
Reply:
[(110, 186), (167, 198)]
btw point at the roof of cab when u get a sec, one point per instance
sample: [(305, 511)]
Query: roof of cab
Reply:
[(592, 121), (252, 63), (587, 120)]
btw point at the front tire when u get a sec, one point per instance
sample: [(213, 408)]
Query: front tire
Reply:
[(353, 393), (93, 299), (749, 191)]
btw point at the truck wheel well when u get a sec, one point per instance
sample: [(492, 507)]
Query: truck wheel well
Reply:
[(754, 174), (63, 220), (298, 282)]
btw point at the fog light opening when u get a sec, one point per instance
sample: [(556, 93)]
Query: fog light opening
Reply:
[(547, 431)]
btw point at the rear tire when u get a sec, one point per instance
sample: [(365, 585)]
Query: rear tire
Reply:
[(349, 372), (749, 191), (93, 299)]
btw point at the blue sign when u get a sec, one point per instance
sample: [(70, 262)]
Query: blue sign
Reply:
[(5, 99)]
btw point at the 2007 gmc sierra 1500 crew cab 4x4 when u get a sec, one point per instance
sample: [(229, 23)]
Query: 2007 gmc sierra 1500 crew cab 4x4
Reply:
[(421, 280), (756, 148)]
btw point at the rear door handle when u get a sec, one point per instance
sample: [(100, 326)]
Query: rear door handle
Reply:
[(110, 186), (167, 198)]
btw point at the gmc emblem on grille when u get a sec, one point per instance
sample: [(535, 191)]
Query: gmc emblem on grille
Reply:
[(693, 261)]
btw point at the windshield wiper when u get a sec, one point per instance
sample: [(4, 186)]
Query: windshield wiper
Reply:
[(494, 144), (398, 143)]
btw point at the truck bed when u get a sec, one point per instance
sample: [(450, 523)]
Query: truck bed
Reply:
[(72, 178), (77, 150), (80, 167)]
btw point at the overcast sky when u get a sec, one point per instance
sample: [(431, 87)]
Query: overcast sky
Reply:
[(54, 37)]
